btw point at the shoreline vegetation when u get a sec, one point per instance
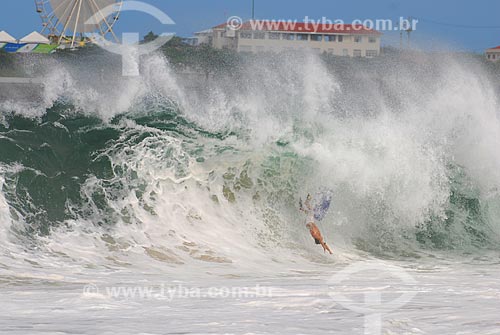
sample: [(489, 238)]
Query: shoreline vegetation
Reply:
[(206, 61)]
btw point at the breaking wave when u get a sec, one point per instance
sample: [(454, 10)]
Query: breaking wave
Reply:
[(178, 169)]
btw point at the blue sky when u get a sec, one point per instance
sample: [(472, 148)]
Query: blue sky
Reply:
[(440, 25)]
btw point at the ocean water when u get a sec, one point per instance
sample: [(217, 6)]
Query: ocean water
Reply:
[(167, 204)]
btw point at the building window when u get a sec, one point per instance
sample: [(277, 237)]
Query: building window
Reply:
[(372, 39), (489, 56), (371, 53), (358, 39), (330, 38), (289, 37), (317, 38), (246, 35), (259, 36), (274, 36), (302, 37), (340, 38), (345, 52), (357, 53)]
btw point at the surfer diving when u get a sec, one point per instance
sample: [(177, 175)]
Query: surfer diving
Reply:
[(310, 218)]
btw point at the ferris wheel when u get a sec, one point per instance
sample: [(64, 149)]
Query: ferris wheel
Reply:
[(67, 21)]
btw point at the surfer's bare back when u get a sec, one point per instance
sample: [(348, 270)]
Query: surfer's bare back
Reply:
[(313, 229)]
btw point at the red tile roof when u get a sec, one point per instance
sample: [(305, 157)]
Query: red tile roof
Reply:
[(495, 48), (302, 27)]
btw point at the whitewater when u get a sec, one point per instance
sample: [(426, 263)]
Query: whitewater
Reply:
[(169, 203)]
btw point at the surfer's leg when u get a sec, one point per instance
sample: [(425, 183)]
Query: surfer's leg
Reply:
[(326, 248)]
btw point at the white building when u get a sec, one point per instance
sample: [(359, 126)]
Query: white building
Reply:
[(204, 37), (493, 54), (258, 36)]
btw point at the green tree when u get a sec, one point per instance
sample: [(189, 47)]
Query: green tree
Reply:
[(150, 37)]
